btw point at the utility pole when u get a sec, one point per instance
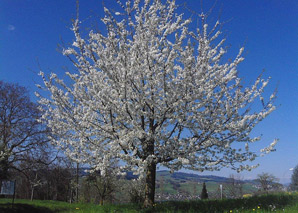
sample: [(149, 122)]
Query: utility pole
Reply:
[(77, 185)]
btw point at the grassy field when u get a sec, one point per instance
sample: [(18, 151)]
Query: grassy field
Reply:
[(287, 202), (192, 184)]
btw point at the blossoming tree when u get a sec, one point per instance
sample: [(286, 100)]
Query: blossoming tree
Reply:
[(148, 91)]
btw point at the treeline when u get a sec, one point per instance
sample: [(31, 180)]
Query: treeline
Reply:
[(49, 182), (60, 181)]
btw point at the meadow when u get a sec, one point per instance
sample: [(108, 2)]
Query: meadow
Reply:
[(281, 202)]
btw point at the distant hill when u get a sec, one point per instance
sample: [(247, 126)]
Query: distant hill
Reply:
[(178, 176), (181, 177), (193, 177), (185, 186), (191, 184)]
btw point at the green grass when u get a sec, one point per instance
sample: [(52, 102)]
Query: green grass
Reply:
[(48, 206), (187, 185), (284, 202)]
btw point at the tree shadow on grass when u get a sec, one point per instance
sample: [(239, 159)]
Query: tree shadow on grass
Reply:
[(22, 208)]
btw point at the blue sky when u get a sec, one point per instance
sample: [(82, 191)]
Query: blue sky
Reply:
[(30, 31)]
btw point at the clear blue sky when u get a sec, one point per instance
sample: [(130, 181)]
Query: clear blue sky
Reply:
[(30, 31)]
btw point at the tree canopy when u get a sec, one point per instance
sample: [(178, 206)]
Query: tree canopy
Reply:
[(22, 137), (294, 179)]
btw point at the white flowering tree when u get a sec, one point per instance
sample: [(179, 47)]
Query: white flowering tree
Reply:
[(150, 92)]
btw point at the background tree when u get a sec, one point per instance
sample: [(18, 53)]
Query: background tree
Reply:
[(234, 187), (44, 181), (294, 179), (21, 135), (148, 91), (104, 186), (59, 182), (268, 182), (204, 193), (136, 191)]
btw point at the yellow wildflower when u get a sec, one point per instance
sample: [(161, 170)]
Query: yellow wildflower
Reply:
[(247, 195)]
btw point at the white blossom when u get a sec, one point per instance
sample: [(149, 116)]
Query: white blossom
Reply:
[(152, 91)]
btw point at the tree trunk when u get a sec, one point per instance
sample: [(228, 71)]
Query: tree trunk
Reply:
[(150, 185), (101, 201), (32, 193), (4, 166), (77, 187)]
